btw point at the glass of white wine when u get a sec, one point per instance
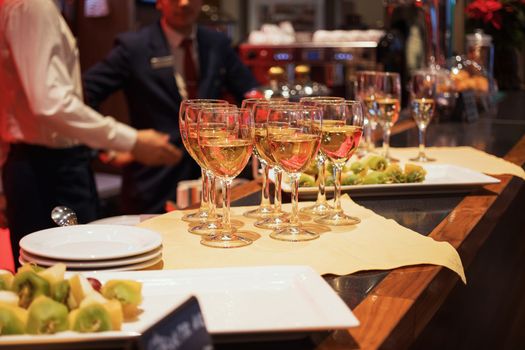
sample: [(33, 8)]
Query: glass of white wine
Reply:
[(341, 133), (365, 91), (422, 106), (264, 209), (212, 222), (294, 141), (388, 105), (278, 218), (226, 139), (202, 214), (321, 206)]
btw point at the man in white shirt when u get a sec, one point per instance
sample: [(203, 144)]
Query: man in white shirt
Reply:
[(45, 125)]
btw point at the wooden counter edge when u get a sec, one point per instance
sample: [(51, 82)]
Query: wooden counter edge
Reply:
[(401, 305)]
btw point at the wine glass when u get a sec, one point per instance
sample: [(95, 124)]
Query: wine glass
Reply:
[(422, 105), (341, 132), (365, 88), (294, 141), (265, 208), (202, 214), (388, 104), (213, 220), (226, 138), (321, 206), (277, 217)]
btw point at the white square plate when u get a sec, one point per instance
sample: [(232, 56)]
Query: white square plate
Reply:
[(440, 178), (246, 300)]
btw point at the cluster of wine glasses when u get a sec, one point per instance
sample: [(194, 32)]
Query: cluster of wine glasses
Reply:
[(286, 137), (380, 93)]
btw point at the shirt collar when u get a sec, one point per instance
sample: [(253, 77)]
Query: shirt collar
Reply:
[(175, 38)]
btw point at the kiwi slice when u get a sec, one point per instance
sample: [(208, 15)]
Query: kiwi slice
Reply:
[(30, 267), (90, 318), (46, 316), (28, 285), (125, 291), (12, 319), (6, 280), (60, 291)]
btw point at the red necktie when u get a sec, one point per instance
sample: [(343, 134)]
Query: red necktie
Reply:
[(190, 71)]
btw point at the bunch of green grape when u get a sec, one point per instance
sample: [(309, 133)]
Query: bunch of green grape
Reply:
[(367, 171)]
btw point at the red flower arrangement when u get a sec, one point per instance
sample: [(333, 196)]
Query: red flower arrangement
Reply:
[(503, 19)]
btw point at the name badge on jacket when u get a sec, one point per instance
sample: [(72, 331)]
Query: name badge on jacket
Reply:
[(162, 62)]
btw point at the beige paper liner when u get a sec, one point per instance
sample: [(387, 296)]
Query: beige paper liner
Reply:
[(374, 244), (466, 157)]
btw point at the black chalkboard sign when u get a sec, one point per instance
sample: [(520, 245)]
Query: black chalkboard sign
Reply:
[(470, 107), (182, 329)]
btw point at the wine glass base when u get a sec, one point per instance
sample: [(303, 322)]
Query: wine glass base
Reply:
[(198, 216), (209, 228), (337, 219), (318, 209), (294, 234), (422, 159), (273, 223), (259, 213), (227, 240)]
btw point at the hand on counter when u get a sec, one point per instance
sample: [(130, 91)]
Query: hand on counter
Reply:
[(153, 148)]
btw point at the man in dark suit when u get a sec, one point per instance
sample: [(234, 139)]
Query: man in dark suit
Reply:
[(156, 68)]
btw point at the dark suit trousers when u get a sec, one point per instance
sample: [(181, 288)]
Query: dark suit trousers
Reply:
[(36, 179)]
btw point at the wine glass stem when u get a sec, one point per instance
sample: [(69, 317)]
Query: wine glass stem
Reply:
[(265, 191), (422, 135), (212, 203), (226, 197), (294, 219), (205, 193), (386, 140), (337, 185), (277, 200), (321, 195)]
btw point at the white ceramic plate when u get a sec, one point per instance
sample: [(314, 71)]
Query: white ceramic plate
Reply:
[(91, 264), (90, 242), (440, 178), (247, 300), (130, 267)]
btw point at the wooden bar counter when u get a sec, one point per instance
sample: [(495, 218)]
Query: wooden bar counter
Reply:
[(425, 306)]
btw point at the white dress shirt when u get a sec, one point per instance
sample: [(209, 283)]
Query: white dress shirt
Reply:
[(41, 99), (174, 39)]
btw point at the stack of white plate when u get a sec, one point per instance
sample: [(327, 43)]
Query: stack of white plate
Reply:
[(93, 247)]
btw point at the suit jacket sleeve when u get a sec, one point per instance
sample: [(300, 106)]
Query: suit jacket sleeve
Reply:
[(107, 76)]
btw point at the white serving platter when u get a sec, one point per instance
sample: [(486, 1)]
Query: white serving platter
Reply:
[(234, 301), (440, 178), (90, 242)]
